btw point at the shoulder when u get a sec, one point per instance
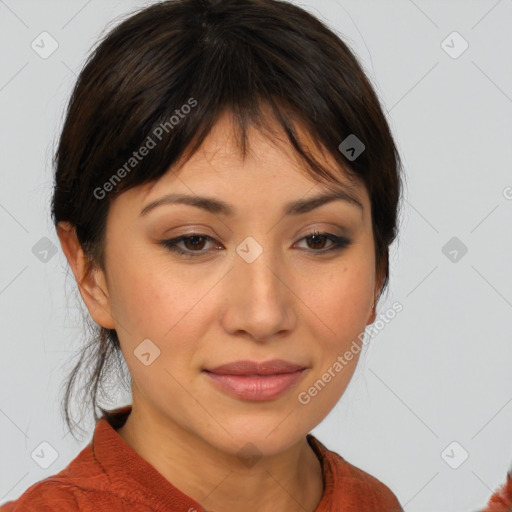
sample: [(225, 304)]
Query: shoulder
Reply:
[(56, 494), (76, 487), (501, 500), (351, 487), (364, 484), (45, 496)]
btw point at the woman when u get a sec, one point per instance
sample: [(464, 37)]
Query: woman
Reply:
[(226, 192)]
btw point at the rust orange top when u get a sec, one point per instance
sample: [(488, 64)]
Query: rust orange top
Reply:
[(108, 475), (501, 500)]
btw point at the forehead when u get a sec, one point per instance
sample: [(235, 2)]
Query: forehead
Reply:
[(271, 174), (270, 160)]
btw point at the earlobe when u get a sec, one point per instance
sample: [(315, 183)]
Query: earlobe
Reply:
[(373, 308), (91, 280), (373, 305), (372, 316)]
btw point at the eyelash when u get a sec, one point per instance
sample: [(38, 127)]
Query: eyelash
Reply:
[(339, 242)]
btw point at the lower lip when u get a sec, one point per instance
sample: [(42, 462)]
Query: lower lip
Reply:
[(257, 388)]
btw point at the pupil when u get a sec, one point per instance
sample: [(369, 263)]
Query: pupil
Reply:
[(194, 241), (315, 239)]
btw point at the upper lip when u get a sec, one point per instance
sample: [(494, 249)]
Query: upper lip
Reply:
[(246, 367)]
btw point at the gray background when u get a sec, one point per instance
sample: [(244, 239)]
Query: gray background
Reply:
[(438, 373)]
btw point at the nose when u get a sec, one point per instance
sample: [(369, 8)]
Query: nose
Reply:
[(260, 301)]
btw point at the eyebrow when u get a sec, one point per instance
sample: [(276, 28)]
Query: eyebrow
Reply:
[(219, 207)]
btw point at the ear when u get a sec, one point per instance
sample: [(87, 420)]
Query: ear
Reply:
[(91, 281), (372, 316), (378, 285)]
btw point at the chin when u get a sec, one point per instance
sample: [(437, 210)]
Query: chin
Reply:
[(258, 436)]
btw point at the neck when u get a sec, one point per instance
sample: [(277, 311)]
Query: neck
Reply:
[(290, 481)]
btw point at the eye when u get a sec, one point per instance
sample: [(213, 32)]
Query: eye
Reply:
[(319, 238), (195, 243)]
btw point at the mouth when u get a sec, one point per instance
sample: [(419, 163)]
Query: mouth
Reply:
[(250, 380), (254, 368)]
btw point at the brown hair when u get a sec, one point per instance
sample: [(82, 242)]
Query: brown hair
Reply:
[(240, 55)]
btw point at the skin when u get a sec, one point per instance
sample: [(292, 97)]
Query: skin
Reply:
[(294, 302)]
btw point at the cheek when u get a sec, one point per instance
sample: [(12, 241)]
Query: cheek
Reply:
[(341, 299), (137, 300), (341, 311), (150, 306), (143, 296), (170, 306)]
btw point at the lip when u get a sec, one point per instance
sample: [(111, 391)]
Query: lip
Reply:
[(251, 368), (250, 380)]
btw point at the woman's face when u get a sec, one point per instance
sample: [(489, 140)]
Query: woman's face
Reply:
[(261, 288)]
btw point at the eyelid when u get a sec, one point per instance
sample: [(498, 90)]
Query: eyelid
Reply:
[(338, 243)]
